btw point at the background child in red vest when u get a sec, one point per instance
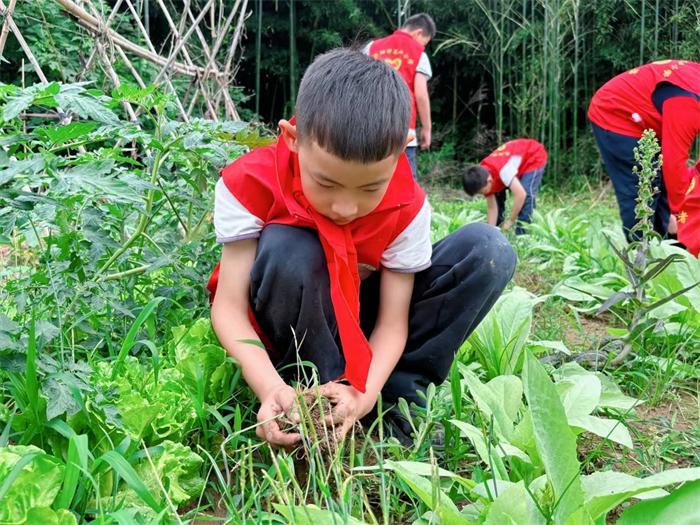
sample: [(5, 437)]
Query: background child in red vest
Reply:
[(663, 96), (404, 51), (517, 165), (331, 205)]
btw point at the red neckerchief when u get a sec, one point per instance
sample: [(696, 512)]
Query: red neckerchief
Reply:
[(341, 259)]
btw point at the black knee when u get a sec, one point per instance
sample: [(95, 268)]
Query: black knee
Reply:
[(488, 251), (293, 255)]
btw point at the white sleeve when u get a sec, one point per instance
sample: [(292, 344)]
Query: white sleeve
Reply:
[(365, 49), (232, 221), (410, 252), (510, 170), (424, 66)]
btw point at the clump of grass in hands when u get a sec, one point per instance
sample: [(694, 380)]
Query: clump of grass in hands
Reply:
[(311, 419)]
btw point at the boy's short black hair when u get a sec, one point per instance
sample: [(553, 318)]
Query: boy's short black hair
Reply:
[(474, 179), (422, 21), (353, 106)]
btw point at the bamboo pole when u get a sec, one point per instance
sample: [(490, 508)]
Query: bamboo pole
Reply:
[(211, 62), (107, 23), (292, 55), (7, 14), (115, 78), (23, 44), (171, 59), (92, 23), (148, 41), (131, 67), (258, 46)]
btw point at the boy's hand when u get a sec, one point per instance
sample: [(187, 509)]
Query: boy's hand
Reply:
[(673, 225), (348, 406), (507, 225), (278, 401)]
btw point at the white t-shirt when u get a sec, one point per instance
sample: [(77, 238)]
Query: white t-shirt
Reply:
[(423, 68), (410, 251), (510, 170)]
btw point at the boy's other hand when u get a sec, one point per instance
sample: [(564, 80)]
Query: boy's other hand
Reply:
[(348, 405), (425, 138), (673, 225), (279, 401), (507, 225)]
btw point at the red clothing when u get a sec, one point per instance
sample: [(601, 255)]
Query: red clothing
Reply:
[(689, 216), (401, 52), (624, 105), (532, 153), (266, 181)]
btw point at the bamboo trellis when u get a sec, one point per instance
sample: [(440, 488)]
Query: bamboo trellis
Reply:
[(210, 74)]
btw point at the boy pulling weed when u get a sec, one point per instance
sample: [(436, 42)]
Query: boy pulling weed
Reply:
[(326, 238), (518, 166)]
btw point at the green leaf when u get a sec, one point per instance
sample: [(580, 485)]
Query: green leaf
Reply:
[(514, 506), (491, 401), (580, 394), (487, 454), (27, 167), (312, 515), (606, 428), (606, 490), (60, 134), (17, 104), (122, 467), (559, 346), (556, 443), (47, 516), (28, 478), (680, 508), (76, 464), (87, 106), (130, 339), (433, 497), (499, 340), (177, 467)]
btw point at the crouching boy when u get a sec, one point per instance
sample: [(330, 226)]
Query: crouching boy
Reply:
[(518, 166), (326, 243)]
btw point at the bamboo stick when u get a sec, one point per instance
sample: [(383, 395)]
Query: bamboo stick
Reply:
[(93, 53), (115, 78), (171, 59), (152, 48), (92, 23), (23, 44), (7, 14)]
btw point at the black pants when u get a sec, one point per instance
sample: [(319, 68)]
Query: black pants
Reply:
[(617, 152), (290, 297)]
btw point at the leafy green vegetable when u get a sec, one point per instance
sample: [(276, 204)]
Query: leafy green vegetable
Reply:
[(29, 478)]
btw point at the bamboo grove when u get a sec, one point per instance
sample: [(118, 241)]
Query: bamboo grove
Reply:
[(503, 68)]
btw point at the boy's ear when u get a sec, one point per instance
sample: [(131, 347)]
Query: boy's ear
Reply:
[(289, 134)]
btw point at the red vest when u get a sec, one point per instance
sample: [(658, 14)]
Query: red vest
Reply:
[(266, 181), (403, 53), (623, 105), (689, 216), (533, 154)]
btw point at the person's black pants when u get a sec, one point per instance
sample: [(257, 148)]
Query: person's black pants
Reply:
[(290, 297), (617, 152)]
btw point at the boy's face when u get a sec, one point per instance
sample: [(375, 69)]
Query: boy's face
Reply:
[(422, 39), (486, 189), (341, 190)]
